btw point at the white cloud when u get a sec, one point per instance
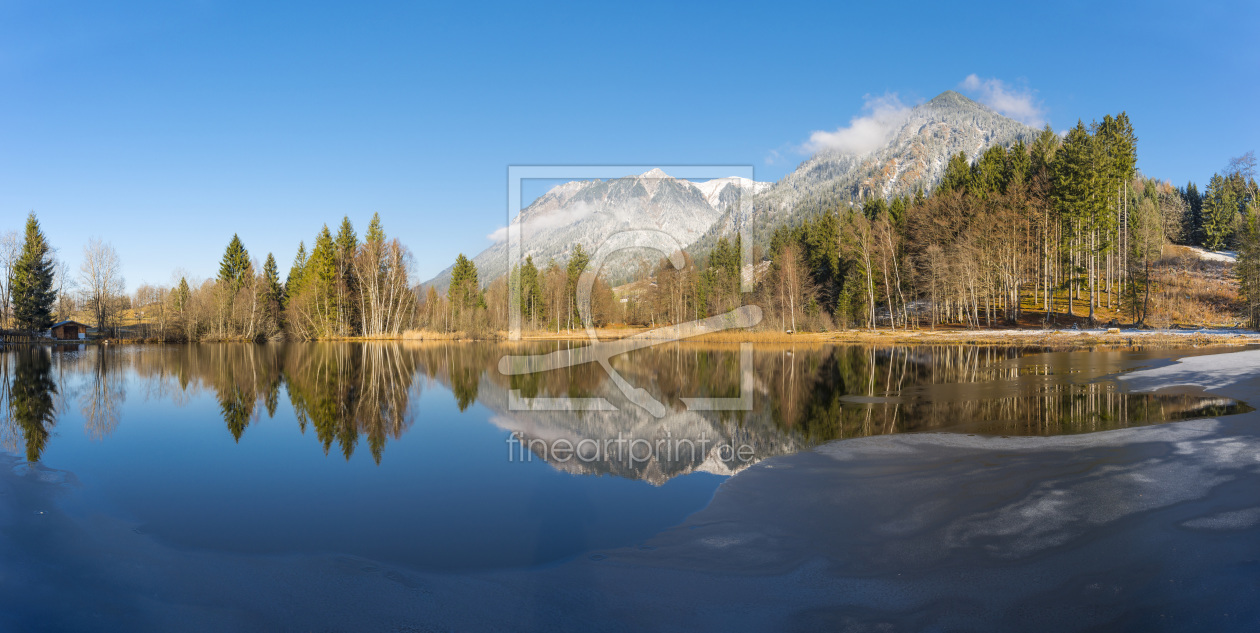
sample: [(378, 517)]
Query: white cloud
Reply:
[(541, 222), (865, 133), (1016, 103)]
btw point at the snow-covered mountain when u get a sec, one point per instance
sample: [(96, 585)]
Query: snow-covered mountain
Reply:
[(918, 148), (586, 212), (919, 143)]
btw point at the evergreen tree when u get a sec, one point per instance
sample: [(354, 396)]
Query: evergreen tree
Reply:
[(1018, 166), (1075, 197), (320, 276), (1194, 212), (347, 240), (464, 290), (274, 291), (235, 265), (182, 295), (957, 176), (578, 260), (988, 175), (346, 286), (1043, 151), (1220, 214), (1248, 268), (32, 285), (293, 283), (531, 292), (375, 234), (873, 208)]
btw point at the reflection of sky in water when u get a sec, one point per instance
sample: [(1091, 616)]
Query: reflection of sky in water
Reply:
[(444, 494), (206, 466)]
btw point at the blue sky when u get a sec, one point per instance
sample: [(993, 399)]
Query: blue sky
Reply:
[(165, 127)]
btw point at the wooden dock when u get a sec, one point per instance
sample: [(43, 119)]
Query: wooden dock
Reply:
[(9, 337)]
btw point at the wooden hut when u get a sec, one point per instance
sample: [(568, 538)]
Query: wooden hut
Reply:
[(68, 331)]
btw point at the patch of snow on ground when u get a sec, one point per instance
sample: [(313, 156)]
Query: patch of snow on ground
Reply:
[(1214, 256)]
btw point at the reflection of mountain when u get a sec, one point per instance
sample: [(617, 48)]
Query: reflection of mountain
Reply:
[(632, 443)]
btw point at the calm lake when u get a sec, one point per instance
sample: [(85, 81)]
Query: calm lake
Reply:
[(428, 457)]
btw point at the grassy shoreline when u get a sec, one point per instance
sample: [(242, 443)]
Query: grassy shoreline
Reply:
[(939, 336)]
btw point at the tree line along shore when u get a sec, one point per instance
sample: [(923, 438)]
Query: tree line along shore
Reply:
[(1062, 232)]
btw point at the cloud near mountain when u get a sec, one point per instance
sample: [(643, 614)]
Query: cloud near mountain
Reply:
[(889, 151), (537, 224), (1016, 103), (865, 133)]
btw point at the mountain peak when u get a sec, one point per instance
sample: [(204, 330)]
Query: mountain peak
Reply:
[(952, 98), (655, 172)]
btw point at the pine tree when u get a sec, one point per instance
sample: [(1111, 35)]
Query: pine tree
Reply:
[(32, 285)]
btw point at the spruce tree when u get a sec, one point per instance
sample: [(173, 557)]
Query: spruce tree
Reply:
[(463, 292), (578, 260), (1220, 214), (375, 234), (347, 241), (293, 283), (957, 176), (531, 291), (182, 295), (32, 285), (320, 277), (235, 264), (347, 286), (271, 279)]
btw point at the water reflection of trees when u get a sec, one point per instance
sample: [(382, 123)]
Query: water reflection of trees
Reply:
[(353, 393), (344, 391), (28, 400), (101, 398), (340, 391), (845, 392)]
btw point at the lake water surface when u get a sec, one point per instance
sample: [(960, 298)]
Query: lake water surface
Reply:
[(427, 457)]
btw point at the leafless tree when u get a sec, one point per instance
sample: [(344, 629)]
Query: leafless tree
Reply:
[(10, 248), (101, 282)]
